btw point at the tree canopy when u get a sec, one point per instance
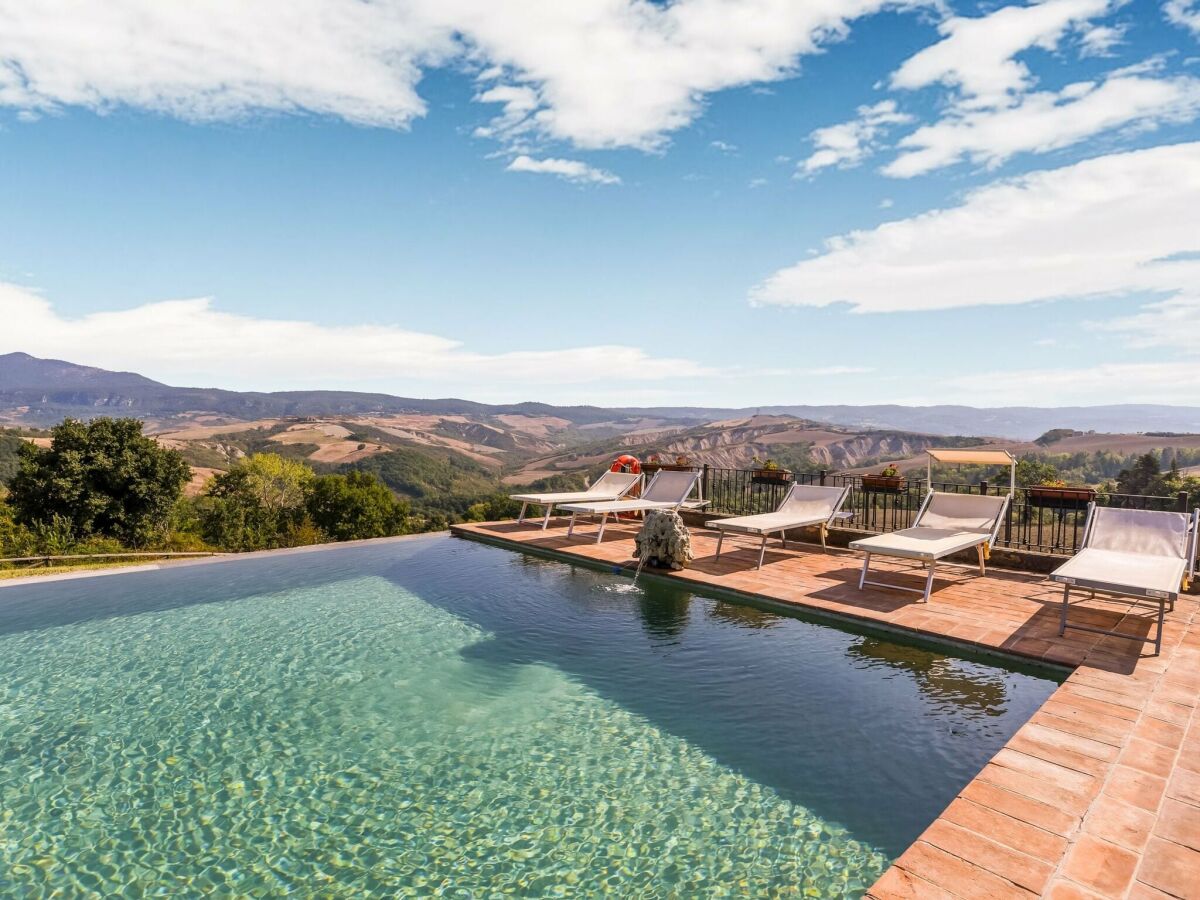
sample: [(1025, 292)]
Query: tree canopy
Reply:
[(103, 477)]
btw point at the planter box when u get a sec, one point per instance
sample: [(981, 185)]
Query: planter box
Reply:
[(1060, 498), (651, 468), (770, 476), (884, 484)]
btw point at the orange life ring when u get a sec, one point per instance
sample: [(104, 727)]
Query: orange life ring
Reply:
[(626, 462)]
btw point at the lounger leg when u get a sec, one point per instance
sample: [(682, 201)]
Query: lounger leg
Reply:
[(521, 517), (979, 551), (720, 541), (783, 537), (546, 518), (929, 581), (1162, 609), (762, 550), (863, 577), (571, 527), (1062, 621), (600, 536), (824, 531)]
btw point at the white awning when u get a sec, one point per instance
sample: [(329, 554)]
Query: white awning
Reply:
[(974, 457)]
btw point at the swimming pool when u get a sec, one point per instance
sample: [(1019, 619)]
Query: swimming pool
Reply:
[(391, 718)]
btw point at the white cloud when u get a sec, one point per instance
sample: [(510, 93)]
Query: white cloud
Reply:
[(848, 143), (597, 73), (1045, 121), (193, 342), (1123, 224), (570, 169), (723, 146), (1099, 40), (220, 58), (1185, 13), (977, 56)]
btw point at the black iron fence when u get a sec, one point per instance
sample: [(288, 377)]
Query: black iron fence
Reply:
[(1034, 521)]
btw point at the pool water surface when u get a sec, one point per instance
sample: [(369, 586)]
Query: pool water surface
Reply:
[(401, 717)]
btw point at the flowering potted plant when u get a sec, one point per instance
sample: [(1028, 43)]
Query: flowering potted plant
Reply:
[(767, 471), (1054, 493), (888, 481)]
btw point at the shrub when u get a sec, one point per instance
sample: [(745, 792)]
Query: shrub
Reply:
[(100, 478)]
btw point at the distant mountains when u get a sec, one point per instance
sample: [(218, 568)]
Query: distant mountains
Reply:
[(43, 391)]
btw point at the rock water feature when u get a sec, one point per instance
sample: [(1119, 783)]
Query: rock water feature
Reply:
[(664, 541)]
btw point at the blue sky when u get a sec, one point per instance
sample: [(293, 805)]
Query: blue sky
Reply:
[(704, 203)]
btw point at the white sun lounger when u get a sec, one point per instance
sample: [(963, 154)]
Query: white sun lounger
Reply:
[(946, 524), (802, 505), (1136, 553), (666, 490), (609, 486)]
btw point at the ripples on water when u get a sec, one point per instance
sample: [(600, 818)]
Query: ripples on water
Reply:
[(397, 718)]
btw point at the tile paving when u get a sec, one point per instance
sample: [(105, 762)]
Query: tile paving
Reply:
[(1096, 796)]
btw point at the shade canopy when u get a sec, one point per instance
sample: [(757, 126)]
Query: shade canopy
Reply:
[(958, 456), (974, 457)]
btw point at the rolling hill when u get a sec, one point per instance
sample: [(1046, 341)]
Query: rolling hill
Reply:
[(42, 391)]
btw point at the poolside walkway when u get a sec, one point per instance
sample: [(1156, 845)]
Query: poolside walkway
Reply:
[(1097, 795)]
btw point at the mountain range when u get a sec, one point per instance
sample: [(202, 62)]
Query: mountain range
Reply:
[(40, 392)]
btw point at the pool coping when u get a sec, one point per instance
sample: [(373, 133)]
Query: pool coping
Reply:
[(1097, 795), (133, 568)]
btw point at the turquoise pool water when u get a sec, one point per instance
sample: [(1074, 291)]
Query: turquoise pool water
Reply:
[(403, 718)]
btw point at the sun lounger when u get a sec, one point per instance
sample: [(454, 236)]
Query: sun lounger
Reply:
[(1136, 553), (609, 486), (666, 490), (803, 505), (946, 524)]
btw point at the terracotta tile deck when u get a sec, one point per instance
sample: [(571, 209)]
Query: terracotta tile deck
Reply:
[(1097, 795)]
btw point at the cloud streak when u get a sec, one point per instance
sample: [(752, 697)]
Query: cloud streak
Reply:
[(1121, 224), (569, 169), (595, 73), (194, 342)]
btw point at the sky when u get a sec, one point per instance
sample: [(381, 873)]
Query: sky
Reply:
[(619, 202)]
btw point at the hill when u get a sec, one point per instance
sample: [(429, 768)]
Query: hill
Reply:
[(42, 391)]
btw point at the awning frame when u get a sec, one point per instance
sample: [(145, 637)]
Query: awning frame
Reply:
[(971, 457)]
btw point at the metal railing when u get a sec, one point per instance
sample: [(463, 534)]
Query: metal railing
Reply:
[(1031, 522)]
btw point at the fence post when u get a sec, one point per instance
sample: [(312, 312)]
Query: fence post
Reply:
[(822, 474), (705, 484), (1181, 501), (983, 487)]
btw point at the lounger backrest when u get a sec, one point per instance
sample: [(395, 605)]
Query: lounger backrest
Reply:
[(670, 487), (811, 501), (1142, 531), (613, 483), (962, 512)]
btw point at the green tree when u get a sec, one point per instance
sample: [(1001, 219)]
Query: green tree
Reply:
[(101, 478), (356, 505), (259, 504), (1034, 471), (1143, 477)]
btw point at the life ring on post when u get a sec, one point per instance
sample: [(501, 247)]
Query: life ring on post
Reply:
[(627, 463)]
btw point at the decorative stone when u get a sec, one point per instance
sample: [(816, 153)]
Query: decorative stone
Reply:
[(664, 540)]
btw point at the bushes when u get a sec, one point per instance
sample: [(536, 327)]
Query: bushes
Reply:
[(354, 506), (268, 502), (103, 478)]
